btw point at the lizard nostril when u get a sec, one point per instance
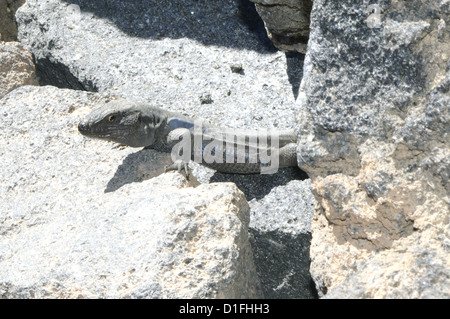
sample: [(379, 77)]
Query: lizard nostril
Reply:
[(82, 127)]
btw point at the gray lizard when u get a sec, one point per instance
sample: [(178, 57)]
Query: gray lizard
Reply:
[(225, 150)]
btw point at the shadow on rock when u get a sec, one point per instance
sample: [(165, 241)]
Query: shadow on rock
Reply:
[(294, 70), (282, 263), (211, 22), (259, 185), (138, 167), (148, 163)]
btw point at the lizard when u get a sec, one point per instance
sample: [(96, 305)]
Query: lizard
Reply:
[(226, 150)]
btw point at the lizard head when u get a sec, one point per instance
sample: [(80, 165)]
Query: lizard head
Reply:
[(120, 121)]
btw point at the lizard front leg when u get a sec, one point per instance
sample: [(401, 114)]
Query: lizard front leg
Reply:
[(178, 165), (172, 138)]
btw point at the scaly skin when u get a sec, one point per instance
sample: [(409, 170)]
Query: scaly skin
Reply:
[(141, 125)]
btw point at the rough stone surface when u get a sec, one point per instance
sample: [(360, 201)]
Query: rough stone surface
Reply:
[(175, 54), (8, 27), (16, 67), (374, 138), (65, 234), (206, 59), (281, 209), (281, 229), (287, 22)]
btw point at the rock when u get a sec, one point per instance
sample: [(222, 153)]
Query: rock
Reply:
[(373, 134), (280, 223), (204, 61), (281, 209), (170, 55), (417, 272), (285, 217), (8, 27), (69, 229), (16, 67), (287, 22)]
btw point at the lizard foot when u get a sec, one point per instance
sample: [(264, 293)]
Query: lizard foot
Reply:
[(178, 165)]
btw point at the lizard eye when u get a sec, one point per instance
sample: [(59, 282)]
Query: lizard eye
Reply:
[(111, 118)]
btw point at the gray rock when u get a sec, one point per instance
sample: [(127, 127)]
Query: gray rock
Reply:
[(198, 58), (65, 234), (176, 55), (285, 217), (373, 131), (287, 22), (281, 229), (281, 209)]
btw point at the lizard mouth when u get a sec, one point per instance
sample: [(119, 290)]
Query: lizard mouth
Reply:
[(87, 130), (93, 131)]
